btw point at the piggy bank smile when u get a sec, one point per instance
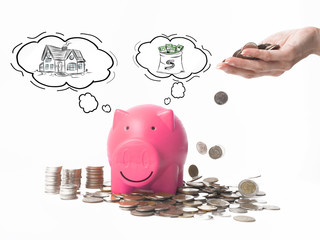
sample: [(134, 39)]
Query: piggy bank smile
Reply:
[(130, 180)]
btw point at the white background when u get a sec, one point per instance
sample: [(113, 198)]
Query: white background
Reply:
[(270, 126)]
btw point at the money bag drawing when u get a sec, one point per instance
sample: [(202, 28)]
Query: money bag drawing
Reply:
[(170, 59)]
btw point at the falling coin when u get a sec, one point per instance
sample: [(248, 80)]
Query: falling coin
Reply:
[(221, 98), (193, 171), (244, 219), (215, 152), (202, 148)]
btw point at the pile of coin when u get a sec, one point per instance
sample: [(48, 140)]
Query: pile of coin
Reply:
[(68, 191), (94, 177), (53, 179), (72, 176), (215, 152), (199, 199), (263, 46)]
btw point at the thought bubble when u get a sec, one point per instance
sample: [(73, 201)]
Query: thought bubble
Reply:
[(189, 61), (106, 108), (54, 62), (88, 103), (167, 101), (178, 90)]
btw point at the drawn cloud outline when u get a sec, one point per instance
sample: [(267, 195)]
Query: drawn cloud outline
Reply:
[(170, 39), (66, 83), (86, 96)]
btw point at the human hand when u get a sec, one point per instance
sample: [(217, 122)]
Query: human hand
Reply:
[(295, 45)]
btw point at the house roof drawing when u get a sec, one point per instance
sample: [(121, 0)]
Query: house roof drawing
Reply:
[(62, 53)]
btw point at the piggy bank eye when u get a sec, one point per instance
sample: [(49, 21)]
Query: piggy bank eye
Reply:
[(153, 128), (127, 128)]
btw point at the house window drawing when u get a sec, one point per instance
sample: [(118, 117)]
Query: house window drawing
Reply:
[(62, 61)]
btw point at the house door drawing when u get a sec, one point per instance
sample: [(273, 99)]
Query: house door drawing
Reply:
[(59, 67)]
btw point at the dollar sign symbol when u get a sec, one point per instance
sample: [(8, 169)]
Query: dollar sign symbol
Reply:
[(170, 63)]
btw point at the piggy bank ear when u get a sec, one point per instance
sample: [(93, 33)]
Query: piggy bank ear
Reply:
[(118, 116), (167, 117)]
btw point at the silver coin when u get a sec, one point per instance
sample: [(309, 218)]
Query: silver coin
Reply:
[(201, 148), (207, 208), (195, 184), (200, 199), (92, 200), (218, 203), (245, 200), (220, 98), (270, 207), (244, 218), (260, 193), (221, 214), (250, 206), (234, 205), (100, 194), (210, 180), (215, 152), (142, 213), (193, 170), (203, 216), (190, 209), (238, 210), (190, 191)]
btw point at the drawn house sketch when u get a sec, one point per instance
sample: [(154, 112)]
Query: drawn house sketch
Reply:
[(62, 61)]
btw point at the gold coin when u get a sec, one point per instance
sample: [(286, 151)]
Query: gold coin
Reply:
[(248, 188)]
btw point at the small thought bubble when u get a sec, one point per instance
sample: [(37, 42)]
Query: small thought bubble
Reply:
[(167, 101), (106, 108), (87, 102), (178, 90)]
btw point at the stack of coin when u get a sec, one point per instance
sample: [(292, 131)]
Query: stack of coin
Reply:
[(71, 176), (68, 191), (53, 179), (263, 46), (94, 177)]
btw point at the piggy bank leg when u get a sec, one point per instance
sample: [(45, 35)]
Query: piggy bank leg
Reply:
[(180, 177), (167, 181)]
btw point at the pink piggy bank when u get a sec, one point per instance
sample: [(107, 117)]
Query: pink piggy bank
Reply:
[(147, 148)]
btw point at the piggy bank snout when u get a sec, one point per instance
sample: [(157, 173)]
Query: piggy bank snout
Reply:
[(136, 161)]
